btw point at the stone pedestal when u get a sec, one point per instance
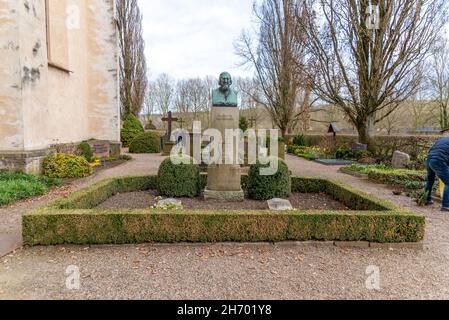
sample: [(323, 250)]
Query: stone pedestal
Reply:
[(224, 180), (168, 146)]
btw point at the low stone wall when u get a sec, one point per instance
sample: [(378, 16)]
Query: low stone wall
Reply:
[(384, 145), (26, 161), (31, 161)]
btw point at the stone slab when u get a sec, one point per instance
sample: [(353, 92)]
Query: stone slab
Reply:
[(279, 205), (400, 160), (234, 196)]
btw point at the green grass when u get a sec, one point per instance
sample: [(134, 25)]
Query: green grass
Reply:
[(75, 220), (408, 179), (19, 186)]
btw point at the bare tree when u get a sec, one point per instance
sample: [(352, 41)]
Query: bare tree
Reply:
[(132, 61), (278, 61), (150, 103), (369, 53), (193, 98), (164, 92), (439, 81)]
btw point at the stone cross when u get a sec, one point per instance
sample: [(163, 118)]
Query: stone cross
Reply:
[(170, 121)]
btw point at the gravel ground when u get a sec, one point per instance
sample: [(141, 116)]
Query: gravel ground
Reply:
[(235, 271), (146, 199)]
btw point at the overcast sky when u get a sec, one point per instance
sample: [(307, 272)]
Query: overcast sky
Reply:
[(194, 38)]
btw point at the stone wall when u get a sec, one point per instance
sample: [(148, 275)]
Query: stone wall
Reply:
[(45, 102)]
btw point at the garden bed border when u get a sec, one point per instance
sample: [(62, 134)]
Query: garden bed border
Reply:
[(73, 221)]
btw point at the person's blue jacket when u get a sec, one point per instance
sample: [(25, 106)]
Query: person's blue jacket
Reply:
[(440, 151)]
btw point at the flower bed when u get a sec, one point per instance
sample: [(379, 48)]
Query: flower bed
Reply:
[(74, 221)]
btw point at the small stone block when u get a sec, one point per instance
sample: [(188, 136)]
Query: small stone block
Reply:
[(352, 244), (279, 205)]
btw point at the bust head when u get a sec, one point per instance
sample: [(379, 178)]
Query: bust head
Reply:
[(225, 81)]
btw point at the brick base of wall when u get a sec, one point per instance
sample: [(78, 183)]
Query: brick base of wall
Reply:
[(24, 161), (31, 161)]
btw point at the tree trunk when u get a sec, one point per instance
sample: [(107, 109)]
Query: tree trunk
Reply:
[(365, 131)]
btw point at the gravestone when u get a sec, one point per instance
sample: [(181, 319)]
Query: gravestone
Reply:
[(224, 180), (400, 160), (279, 205), (359, 147)]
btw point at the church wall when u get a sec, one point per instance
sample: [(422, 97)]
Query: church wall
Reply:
[(74, 98), (11, 128)]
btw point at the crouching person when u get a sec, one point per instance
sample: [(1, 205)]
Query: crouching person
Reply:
[(438, 166)]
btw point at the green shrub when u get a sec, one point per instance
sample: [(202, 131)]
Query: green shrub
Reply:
[(262, 187), (344, 153), (179, 180), (85, 150), (62, 165), (147, 142), (243, 124), (299, 141), (131, 128)]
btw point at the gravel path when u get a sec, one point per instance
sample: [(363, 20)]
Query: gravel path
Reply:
[(11, 217), (235, 271)]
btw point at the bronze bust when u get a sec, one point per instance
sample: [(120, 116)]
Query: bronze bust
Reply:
[(225, 96)]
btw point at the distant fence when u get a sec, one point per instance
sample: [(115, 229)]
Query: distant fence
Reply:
[(384, 145)]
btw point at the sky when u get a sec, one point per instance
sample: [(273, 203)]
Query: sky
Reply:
[(194, 38)]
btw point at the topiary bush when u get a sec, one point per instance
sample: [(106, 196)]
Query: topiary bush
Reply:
[(131, 128), (61, 165), (147, 142), (262, 187), (85, 150), (179, 180)]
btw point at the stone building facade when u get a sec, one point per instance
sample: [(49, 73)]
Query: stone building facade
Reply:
[(58, 77)]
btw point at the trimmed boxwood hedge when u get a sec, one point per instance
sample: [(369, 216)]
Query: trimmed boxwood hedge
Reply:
[(73, 221), (268, 187), (179, 180), (147, 142)]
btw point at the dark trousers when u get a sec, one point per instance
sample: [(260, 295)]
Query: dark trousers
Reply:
[(440, 169)]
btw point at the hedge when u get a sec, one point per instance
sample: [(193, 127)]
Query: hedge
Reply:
[(181, 180), (383, 145), (147, 142), (73, 221)]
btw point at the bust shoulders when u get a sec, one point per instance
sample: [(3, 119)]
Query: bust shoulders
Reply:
[(219, 99)]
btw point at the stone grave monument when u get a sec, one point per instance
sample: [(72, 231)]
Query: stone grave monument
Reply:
[(167, 143), (224, 180)]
